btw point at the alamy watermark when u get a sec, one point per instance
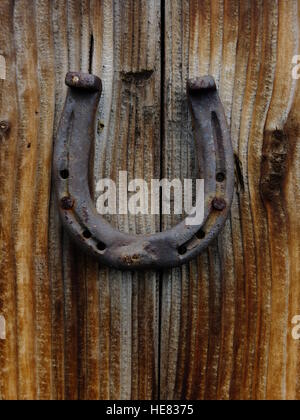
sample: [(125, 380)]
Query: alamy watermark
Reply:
[(296, 328), (2, 328), (140, 197), (296, 68)]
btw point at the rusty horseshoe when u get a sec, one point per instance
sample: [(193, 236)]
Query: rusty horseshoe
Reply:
[(78, 213)]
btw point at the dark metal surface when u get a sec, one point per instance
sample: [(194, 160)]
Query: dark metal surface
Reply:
[(90, 230)]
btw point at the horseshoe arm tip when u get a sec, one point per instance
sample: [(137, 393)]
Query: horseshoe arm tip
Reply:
[(84, 81)]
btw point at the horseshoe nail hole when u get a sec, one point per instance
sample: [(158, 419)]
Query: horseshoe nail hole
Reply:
[(86, 234), (182, 250), (101, 246), (64, 174), (220, 177), (200, 234)]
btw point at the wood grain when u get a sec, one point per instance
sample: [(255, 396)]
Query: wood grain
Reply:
[(9, 112), (217, 328), (75, 330), (228, 318)]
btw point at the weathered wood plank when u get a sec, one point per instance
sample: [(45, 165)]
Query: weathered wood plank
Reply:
[(278, 142), (130, 117), (75, 330), (232, 338), (42, 281), (28, 102)]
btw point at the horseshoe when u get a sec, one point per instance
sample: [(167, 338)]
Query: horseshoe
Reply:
[(78, 213)]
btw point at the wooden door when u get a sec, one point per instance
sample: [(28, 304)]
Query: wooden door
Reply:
[(221, 327)]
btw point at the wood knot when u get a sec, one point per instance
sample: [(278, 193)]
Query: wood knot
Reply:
[(138, 77), (273, 166)]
